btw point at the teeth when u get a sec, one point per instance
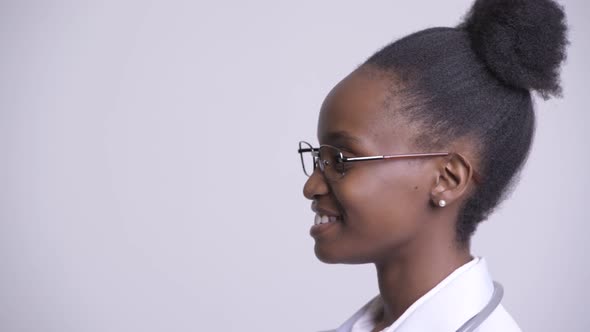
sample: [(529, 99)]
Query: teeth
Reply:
[(319, 219)]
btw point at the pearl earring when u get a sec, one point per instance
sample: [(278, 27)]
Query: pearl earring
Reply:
[(442, 203)]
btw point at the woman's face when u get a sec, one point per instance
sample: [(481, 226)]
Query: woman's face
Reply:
[(383, 206)]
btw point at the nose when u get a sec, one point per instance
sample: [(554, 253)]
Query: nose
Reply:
[(315, 185)]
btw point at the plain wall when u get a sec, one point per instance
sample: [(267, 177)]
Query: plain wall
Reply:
[(150, 181)]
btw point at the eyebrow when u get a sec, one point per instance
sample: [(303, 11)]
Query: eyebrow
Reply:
[(341, 137)]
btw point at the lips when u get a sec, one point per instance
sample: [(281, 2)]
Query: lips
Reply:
[(324, 212), (323, 224), (323, 219)]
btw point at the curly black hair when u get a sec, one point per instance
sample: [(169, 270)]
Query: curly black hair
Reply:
[(475, 80)]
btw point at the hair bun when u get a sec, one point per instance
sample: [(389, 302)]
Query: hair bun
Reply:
[(521, 41)]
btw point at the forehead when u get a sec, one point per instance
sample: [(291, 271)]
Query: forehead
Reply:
[(359, 111)]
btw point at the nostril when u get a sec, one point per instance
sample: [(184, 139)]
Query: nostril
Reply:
[(315, 186)]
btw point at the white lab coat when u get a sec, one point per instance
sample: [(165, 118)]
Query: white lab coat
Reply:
[(444, 308)]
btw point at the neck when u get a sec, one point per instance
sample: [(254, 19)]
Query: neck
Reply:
[(404, 279)]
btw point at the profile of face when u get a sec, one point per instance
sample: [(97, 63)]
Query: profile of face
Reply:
[(384, 206)]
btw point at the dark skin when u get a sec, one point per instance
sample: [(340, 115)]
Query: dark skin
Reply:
[(389, 208)]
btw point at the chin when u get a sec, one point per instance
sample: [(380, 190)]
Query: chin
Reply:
[(332, 256), (325, 255)]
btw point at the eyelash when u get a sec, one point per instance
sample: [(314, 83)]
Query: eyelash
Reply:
[(346, 151)]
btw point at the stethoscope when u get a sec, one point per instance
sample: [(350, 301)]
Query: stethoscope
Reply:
[(484, 313)]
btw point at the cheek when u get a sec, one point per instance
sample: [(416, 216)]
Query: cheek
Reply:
[(384, 210), (397, 207)]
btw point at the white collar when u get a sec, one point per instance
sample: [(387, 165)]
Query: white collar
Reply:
[(445, 307)]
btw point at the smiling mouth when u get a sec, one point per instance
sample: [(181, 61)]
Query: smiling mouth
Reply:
[(323, 219), (323, 223)]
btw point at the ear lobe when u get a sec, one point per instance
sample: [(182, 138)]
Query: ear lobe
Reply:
[(452, 180)]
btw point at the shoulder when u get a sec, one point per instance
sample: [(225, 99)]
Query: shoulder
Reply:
[(499, 320)]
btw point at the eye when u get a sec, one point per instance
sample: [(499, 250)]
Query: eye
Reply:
[(332, 161), (346, 150), (341, 167), (347, 154)]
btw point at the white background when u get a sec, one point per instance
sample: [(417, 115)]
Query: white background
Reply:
[(150, 181)]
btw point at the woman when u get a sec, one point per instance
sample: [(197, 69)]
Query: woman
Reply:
[(418, 145)]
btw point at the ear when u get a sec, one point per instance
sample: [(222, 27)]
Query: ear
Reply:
[(452, 180)]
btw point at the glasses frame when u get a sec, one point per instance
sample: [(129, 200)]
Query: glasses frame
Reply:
[(315, 152)]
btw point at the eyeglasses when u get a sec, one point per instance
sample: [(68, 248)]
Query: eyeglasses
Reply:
[(333, 164)]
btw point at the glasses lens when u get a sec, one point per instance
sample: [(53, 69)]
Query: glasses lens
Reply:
[(330, 162), (307, 158)]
